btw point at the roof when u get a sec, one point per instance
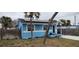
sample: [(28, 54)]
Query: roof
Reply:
[(35, 21)]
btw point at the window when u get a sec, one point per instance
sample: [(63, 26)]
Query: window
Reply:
[(38, 27), (45, 27), (24, 27), (58, 31), (53, 29), (29, 27)]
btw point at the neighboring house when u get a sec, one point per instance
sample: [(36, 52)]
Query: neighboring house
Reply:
[(39, 29)]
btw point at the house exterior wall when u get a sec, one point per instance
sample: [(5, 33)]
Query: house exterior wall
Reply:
[(38, 31)]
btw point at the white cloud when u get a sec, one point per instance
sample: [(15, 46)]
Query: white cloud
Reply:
[(13, 15), (44, 15)]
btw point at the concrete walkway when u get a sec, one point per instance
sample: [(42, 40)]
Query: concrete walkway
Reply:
[(70, 37)]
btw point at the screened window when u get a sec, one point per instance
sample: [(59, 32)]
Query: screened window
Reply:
[(24, 27), (45, 27), (29, 27), (38, 27), (58, 31)]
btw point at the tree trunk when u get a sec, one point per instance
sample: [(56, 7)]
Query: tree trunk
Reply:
[(49, 23), (2, 29), (31, 28), (1, 33)]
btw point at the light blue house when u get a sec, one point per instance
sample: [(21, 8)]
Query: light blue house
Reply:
[(39, 29)]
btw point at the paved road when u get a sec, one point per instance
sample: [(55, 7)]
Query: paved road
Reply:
[(70, 37)]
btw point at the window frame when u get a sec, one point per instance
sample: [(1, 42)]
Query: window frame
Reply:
[(24, 27), (36, 25), (29, 27)]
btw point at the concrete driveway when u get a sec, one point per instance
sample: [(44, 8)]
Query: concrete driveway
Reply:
[(70, 37)]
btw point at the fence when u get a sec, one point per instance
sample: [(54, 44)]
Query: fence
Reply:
[(10, 34), (70, 31)]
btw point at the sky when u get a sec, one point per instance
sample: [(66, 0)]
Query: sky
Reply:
[(45, 15)]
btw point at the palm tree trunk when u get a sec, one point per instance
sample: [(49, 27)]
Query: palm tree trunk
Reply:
[(31, 28), (49, 23), (1, 33)]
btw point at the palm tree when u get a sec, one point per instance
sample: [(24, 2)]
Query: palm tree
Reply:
[(49, 24), (6, 22), (37, 14), (31, 16), (65, 22)]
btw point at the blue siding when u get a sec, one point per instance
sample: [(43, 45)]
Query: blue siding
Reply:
[(26, 35), (39, 34), (19, 25)]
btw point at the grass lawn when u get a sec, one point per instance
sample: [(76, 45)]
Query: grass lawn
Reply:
[(53, 42)]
